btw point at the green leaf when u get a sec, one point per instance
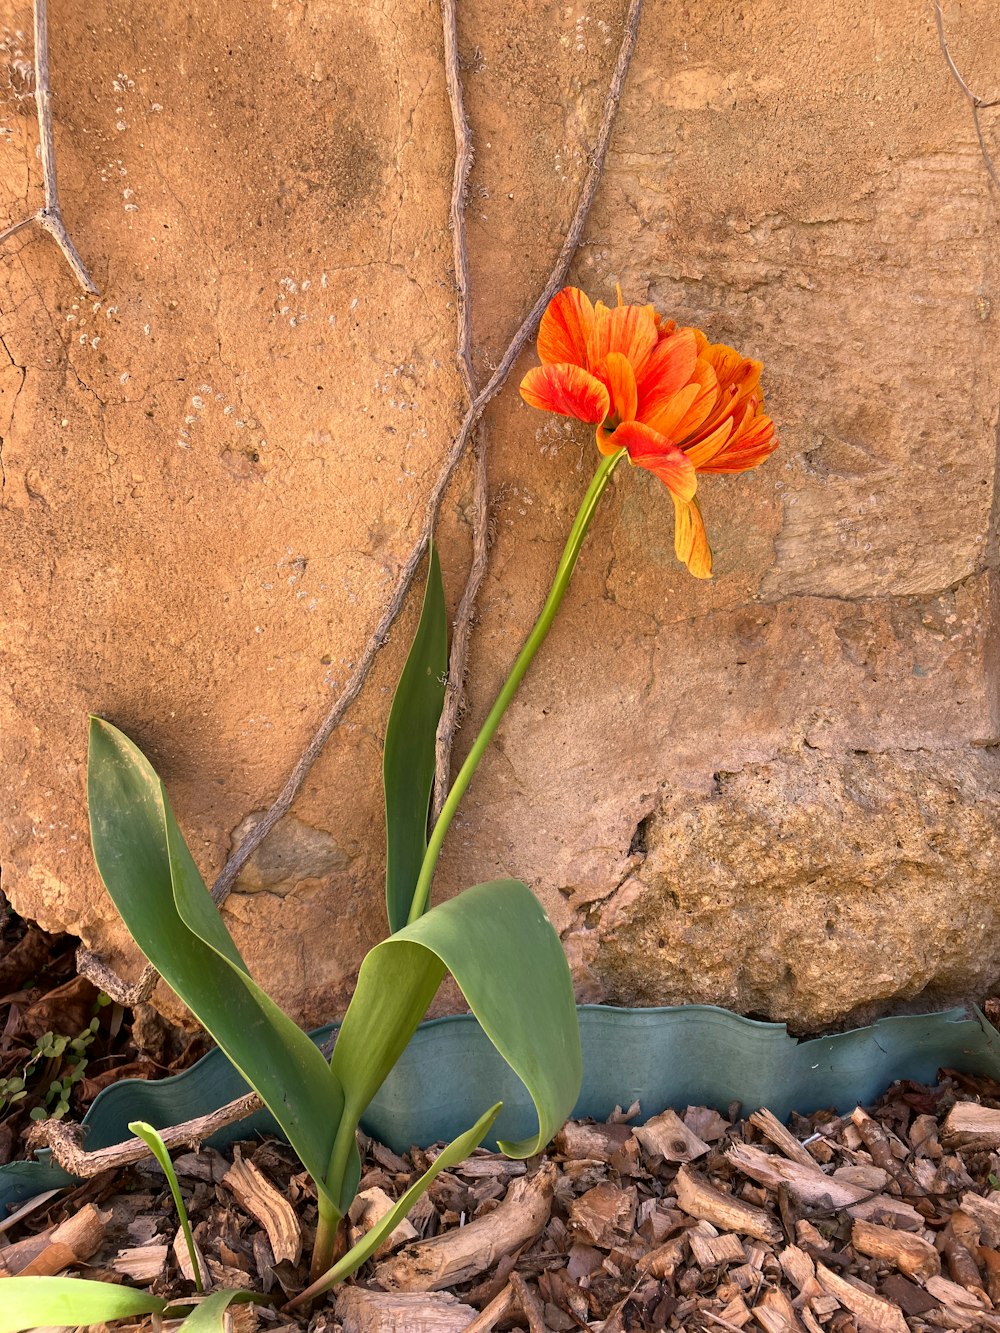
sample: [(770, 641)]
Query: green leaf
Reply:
[(501, 948), (408, 759), (456, 1152), (158, 1148), (36, 1302), (153, 881), (207, 1315)]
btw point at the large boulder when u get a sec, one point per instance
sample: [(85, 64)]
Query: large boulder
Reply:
[(775, 791)]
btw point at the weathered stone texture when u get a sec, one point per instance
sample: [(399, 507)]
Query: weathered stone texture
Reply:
[(864, 881), (212, 474)]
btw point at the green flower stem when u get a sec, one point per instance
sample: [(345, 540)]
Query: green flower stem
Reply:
[(329, 1218), (571, 552), (326, 1239)]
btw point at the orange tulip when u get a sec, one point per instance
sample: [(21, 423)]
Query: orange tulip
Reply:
[(677, 403)]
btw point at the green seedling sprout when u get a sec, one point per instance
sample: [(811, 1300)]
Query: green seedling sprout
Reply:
[(158, 1148)]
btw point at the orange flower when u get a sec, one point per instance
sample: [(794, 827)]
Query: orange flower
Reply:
[(679, 404)]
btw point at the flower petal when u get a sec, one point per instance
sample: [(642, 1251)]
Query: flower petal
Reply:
[(658, 455), (629, 329), (606, 441), (709, 445), (668, 369), (753, 441), (690, 542), (681, 415), (566, 328), (619, 377), (568, 390), (739, 382)]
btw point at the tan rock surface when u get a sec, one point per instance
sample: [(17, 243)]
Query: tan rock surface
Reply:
[(862, 879), (212, 474)]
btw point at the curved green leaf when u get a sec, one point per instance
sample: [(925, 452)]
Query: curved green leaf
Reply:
[(408, 758), (501, 948), (158, 1148), (155, 885), (208, 1315), (455, 1152), (36, 1302)]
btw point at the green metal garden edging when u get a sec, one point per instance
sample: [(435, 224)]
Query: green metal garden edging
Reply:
[(692, 1055)]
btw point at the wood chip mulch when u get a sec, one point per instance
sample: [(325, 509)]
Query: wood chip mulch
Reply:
[(882, 1220)]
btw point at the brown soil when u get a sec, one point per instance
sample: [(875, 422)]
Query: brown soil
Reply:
[(45, 1006)]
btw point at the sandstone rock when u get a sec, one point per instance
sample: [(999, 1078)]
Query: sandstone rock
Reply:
[(212, 474), (831, 887)]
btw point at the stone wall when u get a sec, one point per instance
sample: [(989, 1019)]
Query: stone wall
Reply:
[(775, 791)]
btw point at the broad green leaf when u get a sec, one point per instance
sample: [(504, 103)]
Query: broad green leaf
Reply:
[(408, 759), (158, 1148), (208, 1315), (36, 1302), (155, 885), (456, 1151), (501, 948)]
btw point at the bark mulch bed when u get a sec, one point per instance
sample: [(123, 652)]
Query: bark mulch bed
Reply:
[(881, 1220)]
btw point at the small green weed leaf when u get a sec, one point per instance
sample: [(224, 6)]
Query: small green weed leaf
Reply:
[(456, 1152), (37, 1302), (208, 1315), (501, 948), (158, 1148), (408, 757), (155, 885)]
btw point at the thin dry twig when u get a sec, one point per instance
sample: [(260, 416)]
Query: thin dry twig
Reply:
[(66, 1141), (480, 524), (481, 494), (463, 163), (531, 1306), (976, 102), (491, 1314), (238, 858), (91, 966), (49, 217)]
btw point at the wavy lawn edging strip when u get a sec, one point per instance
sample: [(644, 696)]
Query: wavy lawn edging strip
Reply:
[(694, 1055)]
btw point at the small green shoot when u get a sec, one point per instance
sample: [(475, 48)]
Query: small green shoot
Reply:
[(158, 1148)]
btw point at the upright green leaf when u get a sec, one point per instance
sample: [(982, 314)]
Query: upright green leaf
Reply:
[(501, 948), (155, 885), (37, 1302), (158, 1148), (408, 760)]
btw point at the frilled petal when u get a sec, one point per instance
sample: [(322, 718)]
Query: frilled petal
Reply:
[(686, 410), (709, 443), (728, 363), (629, 329), (753, 441), (568, 390), (655, 453), (690, 542), (739, 382), (668, 369), (619, 377), (565, 329)]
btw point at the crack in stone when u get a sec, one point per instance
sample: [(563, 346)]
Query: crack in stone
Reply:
[(861, 599), (13, 408)]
